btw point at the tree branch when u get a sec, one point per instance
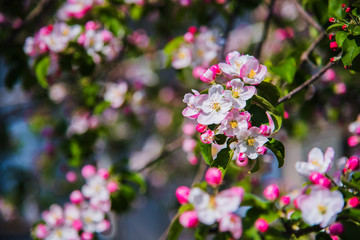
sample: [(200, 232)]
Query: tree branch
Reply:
[(305, 55), (307, 16), (258, 50), (307, 83)]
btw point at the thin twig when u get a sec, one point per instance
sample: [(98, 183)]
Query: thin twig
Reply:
[(305, 55), (307, 83), (258, 50), (307, 16)]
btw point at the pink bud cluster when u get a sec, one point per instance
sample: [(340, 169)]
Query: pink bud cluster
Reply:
[(354, 129), (210, 209), (85, 214)]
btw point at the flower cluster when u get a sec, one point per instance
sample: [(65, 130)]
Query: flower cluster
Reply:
[(85, 214), (224, 106), (99, 42), (198, 50), (76, 8), (209, 209)]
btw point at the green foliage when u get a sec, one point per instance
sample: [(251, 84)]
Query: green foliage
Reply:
[(286, 70), (275, 114), (278, 149), (322, 236), (351, 49), (256, 167), (205, 150), (222, 159), (41, 70)]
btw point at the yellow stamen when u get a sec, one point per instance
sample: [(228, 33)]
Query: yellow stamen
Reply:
[(233, 124), (316, 163), (235, 94), (215, 106), (212, 203), (65, 32), (322, 209), (181, 55), (251, 141), (252, 73)]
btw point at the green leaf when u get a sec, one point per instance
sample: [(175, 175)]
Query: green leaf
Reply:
[(185, 207), (41, 70), (287, 70), (253, 200), (137, 179), (175, 229), (351, 48), (201, 232), (356, 30), (101, 107), (335, 26), (173, 45), (322, 236), (266, 105), (269, 92), (278, 149), (76, 151), (334, 9), (296, 215), (222, 159), (220, 139), (205, 150), (352, 213), (256, 167), (340, 37)]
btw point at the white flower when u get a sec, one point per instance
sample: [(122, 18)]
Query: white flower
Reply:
[(321, 206), (240, 94), (233, 124), (71, 213), (182, 57), (96, 189), (249, 141), (53, 216), (194, 102), (234, 62), (115, 94), (216, 106), (91, 219), (232, 223), (317, 162), (63, 233), (209, 209)]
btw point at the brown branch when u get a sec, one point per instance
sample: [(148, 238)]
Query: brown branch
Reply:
[(307, 16), (307, 83), (258, 50), (305, 55)]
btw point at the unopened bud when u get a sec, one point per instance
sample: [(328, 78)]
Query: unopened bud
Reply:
[(353, 202), (242, 160), (182, 194), (261, 225), (188, 219), (271, 192), (201, 128), (332, 20), (213, 176), (336, 228), (265, 130), (207, 137), (261, 150), (76, 197), (285, 200), (352, 163)]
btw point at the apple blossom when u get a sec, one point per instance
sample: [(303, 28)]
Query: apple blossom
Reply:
[(76, 197), (201, 128), (252, 72), (194, 102), (240, 93), (234, 62), (317, 162), (233, 124), (232, 223), (182, 57), (88, 171), (321, 206), (115, 93)]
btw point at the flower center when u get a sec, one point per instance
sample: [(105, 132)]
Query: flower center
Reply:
[(236, 93), (322, 209), (251, 141), (182, 55), (212, 203), (238, 64), (215, 106), (65, 32), (315, 162), (252, 73), (233, 124)]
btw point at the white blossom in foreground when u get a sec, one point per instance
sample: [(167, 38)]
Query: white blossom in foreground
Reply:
[(240, 93), (232, 223), (210, 209), (234, 123), (317, 162), (194, 102), (216, 106), (321, 206)]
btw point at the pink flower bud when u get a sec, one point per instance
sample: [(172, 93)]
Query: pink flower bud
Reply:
[(188, 145), (357, 130), (247, 115), (77, 224), (76, 197), (333, 45), (353, 202), (213, 176), (331, 36), (315, 177), (201, 128), (208, 76), (296, 204), (343, 5), (207, 137), (192, 29), (106, 35), (112, 186), (188, 219), (352, 163), (197, 71), (228, 85), (285, 200), (286, 115), (182, 194), (325, 182), (88, 171), (71, 176), (334, 237), (344, 27), (336, 228), (189, 37), (81, 39), (86, 236), (353, 141), (192, 160), (90, 25), (340, 88), (242, 160), (332, 20), (265, 130), (216, 69), (104, 173), (261, 225), (271, 192), (41, 231), (261, 150), (348, 10)]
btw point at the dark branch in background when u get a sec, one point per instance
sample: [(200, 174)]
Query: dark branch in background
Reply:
[(229, 26), (305, 55), (258, 49), (307, 83), (307, 16)]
